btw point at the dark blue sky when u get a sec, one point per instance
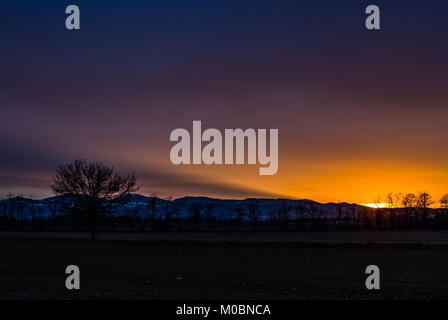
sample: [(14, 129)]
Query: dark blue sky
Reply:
[(341, 96)]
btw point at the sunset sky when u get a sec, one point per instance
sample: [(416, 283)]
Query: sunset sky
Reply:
[(359, 112)]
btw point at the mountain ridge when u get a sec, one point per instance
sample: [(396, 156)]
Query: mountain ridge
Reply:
[(220, 208)]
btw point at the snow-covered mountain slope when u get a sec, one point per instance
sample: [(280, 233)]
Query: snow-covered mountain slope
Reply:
[(136, 204)]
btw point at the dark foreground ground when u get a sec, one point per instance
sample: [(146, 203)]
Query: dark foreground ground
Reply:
[(315, 237), (34, 269)]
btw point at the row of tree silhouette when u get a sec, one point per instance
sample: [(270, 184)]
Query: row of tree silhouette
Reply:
[(96, 189), (92, 186), (414, 210)]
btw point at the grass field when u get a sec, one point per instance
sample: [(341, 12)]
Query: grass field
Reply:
[(34, 269)]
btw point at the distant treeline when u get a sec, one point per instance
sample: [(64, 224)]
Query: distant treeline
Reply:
[(64, 213)]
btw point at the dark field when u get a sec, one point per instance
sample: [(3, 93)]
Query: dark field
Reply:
[(315, 237), (34, 269)]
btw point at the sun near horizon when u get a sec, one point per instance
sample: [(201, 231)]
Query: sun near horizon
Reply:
[(375, 205)]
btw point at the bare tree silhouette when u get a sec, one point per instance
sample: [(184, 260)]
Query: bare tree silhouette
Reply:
[(409, 202), (240, 213), (444, 210), (168, 211), (378, 213), (253, 213), (93, 185), (444, 201), (196, 213), (393, 201), (153, 207), (424, 201)]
